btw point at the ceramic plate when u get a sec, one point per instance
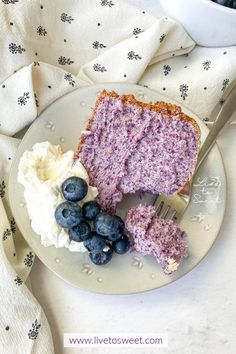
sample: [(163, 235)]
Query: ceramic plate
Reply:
[(62, 124)]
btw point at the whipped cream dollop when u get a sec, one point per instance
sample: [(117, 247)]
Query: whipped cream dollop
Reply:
[(42, 172)]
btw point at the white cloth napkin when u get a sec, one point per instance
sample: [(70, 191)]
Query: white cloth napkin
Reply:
[(51, 48)]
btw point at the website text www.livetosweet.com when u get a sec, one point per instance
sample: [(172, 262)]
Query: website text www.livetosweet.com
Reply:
[(75, 340)]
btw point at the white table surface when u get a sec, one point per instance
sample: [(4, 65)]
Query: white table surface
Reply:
[(197, 311)]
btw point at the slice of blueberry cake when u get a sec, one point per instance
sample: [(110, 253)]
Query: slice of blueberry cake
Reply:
[(155, 236), (130, 145)]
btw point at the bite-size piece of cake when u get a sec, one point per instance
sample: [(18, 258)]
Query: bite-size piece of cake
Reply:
[(130, 145), (155, 236)]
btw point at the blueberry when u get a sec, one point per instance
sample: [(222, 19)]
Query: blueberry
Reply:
[(102, 257), (74, 189), (80, 232), (222, 2), (95, 243), (122, 245), (91, 210), (68, 214), (228, 3), (107, 224), (232, 4)]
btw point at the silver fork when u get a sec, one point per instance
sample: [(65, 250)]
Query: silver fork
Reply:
[(174, 207)]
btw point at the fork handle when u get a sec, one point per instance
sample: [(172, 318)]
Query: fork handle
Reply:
[(223, 117)]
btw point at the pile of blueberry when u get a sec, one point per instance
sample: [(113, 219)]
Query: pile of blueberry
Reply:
[(101, 232), (228, 3)]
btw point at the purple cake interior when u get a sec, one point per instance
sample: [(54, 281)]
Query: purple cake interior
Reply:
[(130, 147), (155, 236)]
